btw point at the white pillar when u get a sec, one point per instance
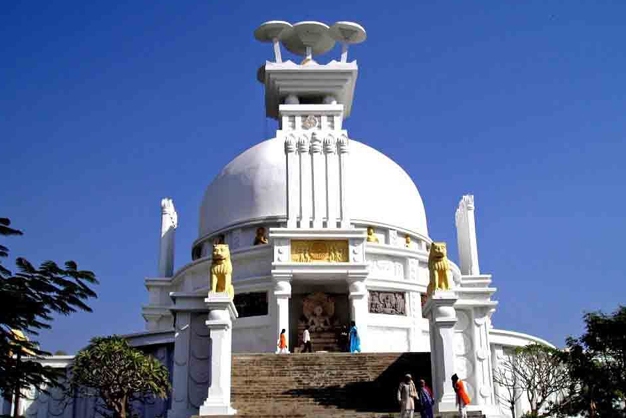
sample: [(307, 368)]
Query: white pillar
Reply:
[(280, 308), (485, 395), (180, 374), (169, 222), (221, 314), (344, 52), (466, 236), (439, 309), (359, 307), (278, 57), (292, 181), (342, 150), (332, 181), (318, 180), (305, 182)]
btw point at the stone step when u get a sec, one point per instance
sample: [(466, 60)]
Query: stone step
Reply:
[(321, 384)]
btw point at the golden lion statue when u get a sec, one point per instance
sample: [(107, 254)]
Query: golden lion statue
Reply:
[(439, 268), (222, 271)]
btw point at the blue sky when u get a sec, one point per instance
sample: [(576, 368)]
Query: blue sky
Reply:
[(106, 108)]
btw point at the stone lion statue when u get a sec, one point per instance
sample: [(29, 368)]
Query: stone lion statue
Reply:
[(222, 270), (439, 267)]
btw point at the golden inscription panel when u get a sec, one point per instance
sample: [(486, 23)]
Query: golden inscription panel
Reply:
[(330, 251)]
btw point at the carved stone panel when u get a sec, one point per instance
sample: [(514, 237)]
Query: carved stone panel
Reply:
[(387, 267), (304, 251), (390, 303), (318, 309)]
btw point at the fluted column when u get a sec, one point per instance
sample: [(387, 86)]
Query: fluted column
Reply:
[(222, 313), (292, 181), (342, 149), (318, 179), (280, 305), (332, 181), (466, 236), (305, 182), (439, 309), (169, 222), (359, 309)]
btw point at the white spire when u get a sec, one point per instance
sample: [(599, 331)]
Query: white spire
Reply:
[(308, 82), (169, 223)]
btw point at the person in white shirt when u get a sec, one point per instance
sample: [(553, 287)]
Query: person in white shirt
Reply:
[(306, 339)]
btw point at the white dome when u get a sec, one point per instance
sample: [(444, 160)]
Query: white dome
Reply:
[(253, 187)]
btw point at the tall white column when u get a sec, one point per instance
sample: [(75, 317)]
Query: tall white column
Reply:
[(221, 314), (485, 395), (359, 307), (305, 182), (439, 309), (318, 179), (293, 196), (169, 222), (280, 308), (342, 150), (332, 181), (466, 236), (180, 374)]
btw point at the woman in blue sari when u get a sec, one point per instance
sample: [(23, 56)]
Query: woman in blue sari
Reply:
[(425, 397), (355, 341)]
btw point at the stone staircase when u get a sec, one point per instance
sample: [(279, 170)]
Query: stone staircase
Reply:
[(322, 384), (321, 341)]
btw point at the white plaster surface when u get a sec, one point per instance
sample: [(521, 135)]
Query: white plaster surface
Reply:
[(388, 339), (253, 186)]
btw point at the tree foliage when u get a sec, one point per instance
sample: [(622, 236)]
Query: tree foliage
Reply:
[(597, 365), (536, 372), (29, 298), (542, 374), (506, 376), (118, 374)]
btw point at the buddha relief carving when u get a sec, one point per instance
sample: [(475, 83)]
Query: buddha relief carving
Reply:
[(389, 303), (260, 237), (318, 310), (371, 237)]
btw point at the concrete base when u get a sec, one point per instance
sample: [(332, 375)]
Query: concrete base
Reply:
[(212, 410), (179, 413)]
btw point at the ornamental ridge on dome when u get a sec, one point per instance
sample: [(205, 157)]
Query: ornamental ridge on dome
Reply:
[(308, 82)]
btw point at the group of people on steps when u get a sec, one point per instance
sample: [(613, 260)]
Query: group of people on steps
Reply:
[(409, 397), (421, 399), (354, 340)]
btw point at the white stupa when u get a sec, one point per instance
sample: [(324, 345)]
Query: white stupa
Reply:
[(315, 192)]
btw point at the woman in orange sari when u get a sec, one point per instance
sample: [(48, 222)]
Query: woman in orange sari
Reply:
[(282, 343), (462, 398)]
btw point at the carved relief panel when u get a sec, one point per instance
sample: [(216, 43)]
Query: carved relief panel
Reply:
[(390, 303), (388, 267), (305, 251)]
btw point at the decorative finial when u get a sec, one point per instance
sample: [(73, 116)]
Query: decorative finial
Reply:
[(271, 32), (347, 33), (167, 208), (308, 38)]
